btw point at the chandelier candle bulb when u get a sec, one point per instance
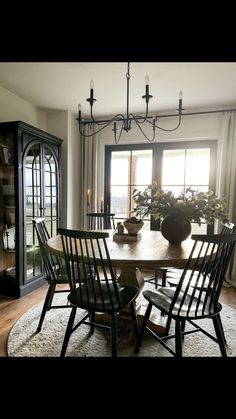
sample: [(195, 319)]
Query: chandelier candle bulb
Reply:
[(180, 100), (147, 87), (88, 197), (101, 204), (79, 110), (91, 89)]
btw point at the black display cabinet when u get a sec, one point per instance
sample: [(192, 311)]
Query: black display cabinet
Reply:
[(29, 187)]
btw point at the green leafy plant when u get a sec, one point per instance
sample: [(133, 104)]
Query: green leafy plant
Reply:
[(192, 205)]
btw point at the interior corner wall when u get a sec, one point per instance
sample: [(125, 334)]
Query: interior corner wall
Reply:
[(14, 108), (57, 124), (73, 173), (63, 124)]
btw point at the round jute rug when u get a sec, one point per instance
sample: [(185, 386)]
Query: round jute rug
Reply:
[(23, 342)]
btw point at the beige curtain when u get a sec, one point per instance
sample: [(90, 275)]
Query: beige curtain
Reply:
[(227, 176), (88, 174)]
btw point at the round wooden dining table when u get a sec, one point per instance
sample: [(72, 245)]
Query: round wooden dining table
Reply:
[(150, 251)]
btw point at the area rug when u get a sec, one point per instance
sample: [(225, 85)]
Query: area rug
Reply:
[(24, 342)]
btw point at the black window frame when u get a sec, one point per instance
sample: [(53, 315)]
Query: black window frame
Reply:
[(157, 149)]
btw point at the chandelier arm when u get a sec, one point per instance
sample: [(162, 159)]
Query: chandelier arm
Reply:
[(165, 129), (121, 130), (91, 113), (138, 125), (97, 122), (104, 126), (144, 118)]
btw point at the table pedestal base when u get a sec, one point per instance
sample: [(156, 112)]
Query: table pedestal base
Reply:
[(131, 277), (156, 322)]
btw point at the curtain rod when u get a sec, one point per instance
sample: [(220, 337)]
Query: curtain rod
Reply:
[(166, 116)]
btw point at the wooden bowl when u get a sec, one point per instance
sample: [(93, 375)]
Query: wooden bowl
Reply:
[(133, 228)]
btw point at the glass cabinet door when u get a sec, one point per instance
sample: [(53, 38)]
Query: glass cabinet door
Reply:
[(50, 182), (33, 188), (7, 209), (41, 200)]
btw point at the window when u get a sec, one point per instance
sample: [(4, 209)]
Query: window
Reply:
[(176, 166), (127, 168)]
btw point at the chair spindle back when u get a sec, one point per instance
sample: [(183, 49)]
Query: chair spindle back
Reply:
[(101, 221), (51, 263), (95, 278), (199, 288)]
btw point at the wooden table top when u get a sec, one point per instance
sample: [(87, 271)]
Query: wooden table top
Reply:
[(150, 251)]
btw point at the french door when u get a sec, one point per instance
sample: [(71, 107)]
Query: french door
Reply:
[(175, 166)]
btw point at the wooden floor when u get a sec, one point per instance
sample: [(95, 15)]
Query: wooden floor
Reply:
[(11, 309)]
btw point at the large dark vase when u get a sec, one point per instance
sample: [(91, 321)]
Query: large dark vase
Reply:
[(175, 231)]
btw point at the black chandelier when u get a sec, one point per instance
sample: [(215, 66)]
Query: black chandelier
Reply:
[(126, 120)]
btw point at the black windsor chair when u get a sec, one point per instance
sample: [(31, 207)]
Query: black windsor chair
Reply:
[(101, 221), (100, 291), (196, 295), (55, 274), (172, 275)]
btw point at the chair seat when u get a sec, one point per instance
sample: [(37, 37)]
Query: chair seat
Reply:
[(162, 299), (195, 279), (109, 301)]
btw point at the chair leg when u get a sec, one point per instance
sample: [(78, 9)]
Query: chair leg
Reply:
[(156, 278), (68, 331), (114, 335), (134, 318), (46, 305), (52, 294), (183, 323), (163, 278), (92, 320), (178, 339), (219, 334), (145, 320), (163, 283), (168, 323), (222, 330)]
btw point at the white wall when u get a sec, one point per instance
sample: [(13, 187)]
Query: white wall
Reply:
[(13, 108)]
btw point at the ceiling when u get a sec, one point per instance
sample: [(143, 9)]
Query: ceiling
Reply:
[(62, 85)]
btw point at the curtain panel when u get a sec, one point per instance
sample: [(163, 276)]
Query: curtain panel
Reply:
[(88, 174), (226, 170)]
